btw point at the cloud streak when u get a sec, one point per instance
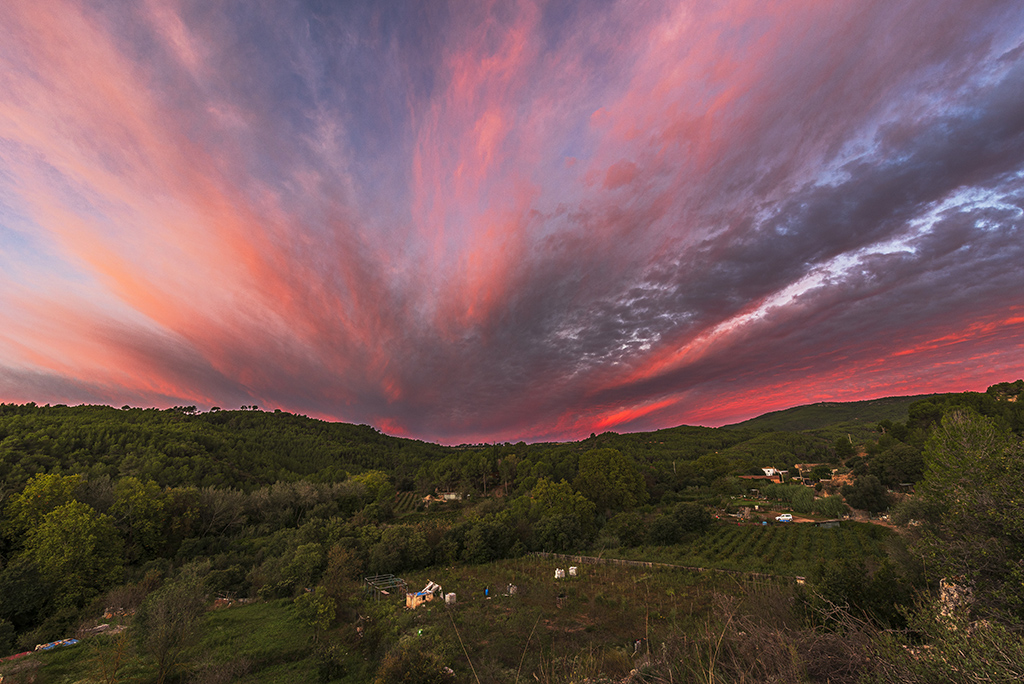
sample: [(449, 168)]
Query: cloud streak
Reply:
[(509, 221)]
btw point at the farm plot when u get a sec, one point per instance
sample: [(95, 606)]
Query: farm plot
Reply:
[(775, 549)]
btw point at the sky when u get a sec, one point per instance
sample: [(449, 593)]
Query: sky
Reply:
[(479, 221)]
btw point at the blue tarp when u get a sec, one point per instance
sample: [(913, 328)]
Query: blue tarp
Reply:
[(54, 644)]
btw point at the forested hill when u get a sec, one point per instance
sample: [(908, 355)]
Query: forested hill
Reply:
[(249, 448), (180, 446), (829, 413), (919, 409)]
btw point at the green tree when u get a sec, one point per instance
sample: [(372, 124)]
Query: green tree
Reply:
[(170, 621), (867, 494), (564, 519), (611, 480), (306, 565), (24, 595), (898, 464), (972, 504), (139, 513), (832, 506), (6, 637), (839, 582), (802, 499), (108, 655), (691, 517), (663, 531), (673, 527), (889, 595), (489, 538), (549, 498), (400, 547), (42, 493), (377, 485), (317, 609), (822, 471), (77, 551), (843, 448), (959, 651), (628, 528)]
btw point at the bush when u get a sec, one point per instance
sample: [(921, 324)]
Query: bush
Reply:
[(663, 531), (867, 494), (832, 506), (802, 500), (170, 621), (691, 517), (410, 665), (799, 497), (953, 650), (628, 527)]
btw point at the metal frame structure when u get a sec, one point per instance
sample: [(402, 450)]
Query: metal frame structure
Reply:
[(385, 585)]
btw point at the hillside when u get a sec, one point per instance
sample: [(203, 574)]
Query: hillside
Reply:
[(830, 414), (180, 446), (157, 510)]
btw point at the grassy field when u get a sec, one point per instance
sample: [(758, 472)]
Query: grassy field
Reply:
[(259, 642), (606, 622), (554, 630), (609, 620)]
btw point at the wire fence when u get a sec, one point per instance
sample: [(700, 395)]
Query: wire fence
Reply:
[(595, 560)]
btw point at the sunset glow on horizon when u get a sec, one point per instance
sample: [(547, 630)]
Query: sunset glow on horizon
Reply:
[(478, 222)]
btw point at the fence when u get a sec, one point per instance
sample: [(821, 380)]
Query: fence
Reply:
[(594, 560)]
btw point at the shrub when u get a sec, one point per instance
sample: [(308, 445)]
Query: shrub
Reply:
[(832, 506), (868, 494), (410, 665), (170, 621)]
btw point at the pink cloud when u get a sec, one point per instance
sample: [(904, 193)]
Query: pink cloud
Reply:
[(528, 220)]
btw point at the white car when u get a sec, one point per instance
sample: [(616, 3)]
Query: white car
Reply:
[(785, 517)]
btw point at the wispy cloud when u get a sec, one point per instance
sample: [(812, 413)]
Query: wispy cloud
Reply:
[(510, 220)]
